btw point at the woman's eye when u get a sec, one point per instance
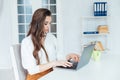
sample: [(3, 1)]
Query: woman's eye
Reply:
[(45, 24)]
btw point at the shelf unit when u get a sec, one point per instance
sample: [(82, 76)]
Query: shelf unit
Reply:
[(90, 24)]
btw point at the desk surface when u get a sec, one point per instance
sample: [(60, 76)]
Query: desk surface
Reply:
[(106, 69)]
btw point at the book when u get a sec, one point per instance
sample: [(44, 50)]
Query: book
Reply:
[(90, 32), (99, 46)]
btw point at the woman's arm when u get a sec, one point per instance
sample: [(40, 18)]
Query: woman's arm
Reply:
[(46, 66)]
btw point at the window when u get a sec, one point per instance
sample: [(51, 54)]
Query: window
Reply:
[(24, 8), (51, 5)]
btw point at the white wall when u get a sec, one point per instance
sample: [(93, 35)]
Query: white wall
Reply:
[(71, 25), (72, 10), (5, 34), (115, 26)]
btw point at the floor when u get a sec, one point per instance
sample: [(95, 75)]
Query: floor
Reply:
[(6, 74)]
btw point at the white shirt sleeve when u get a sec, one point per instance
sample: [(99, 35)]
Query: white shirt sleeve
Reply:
[(28, 61)]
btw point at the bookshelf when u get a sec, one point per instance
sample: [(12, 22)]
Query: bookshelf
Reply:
[(90, 33)]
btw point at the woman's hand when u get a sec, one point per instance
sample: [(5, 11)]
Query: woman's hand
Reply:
[(61, 63), (73, 56)]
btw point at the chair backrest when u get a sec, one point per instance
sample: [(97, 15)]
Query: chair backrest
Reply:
[(19, 71)]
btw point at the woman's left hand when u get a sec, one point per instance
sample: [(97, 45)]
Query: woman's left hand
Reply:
[(73, 56)]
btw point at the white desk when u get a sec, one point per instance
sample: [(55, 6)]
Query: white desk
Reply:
[(108, 68)]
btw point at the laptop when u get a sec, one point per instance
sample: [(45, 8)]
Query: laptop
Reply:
[(84, 59)]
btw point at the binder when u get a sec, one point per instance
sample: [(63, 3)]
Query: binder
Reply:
[(95, 9), (105, 13), (102, 12), (100, 8)]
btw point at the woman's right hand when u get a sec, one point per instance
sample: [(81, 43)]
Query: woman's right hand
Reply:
[(61, 63)]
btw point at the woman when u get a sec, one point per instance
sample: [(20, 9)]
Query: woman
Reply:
[(39, 50)]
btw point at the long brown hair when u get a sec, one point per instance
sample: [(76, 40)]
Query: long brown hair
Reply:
[(36, 31)]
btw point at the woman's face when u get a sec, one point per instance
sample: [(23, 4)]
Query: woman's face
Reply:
[(47, 24)]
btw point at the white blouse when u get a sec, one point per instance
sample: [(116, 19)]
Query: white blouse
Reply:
[(28, 60)]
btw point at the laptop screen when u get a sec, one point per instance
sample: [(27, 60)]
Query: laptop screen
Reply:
[(86, 55)]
